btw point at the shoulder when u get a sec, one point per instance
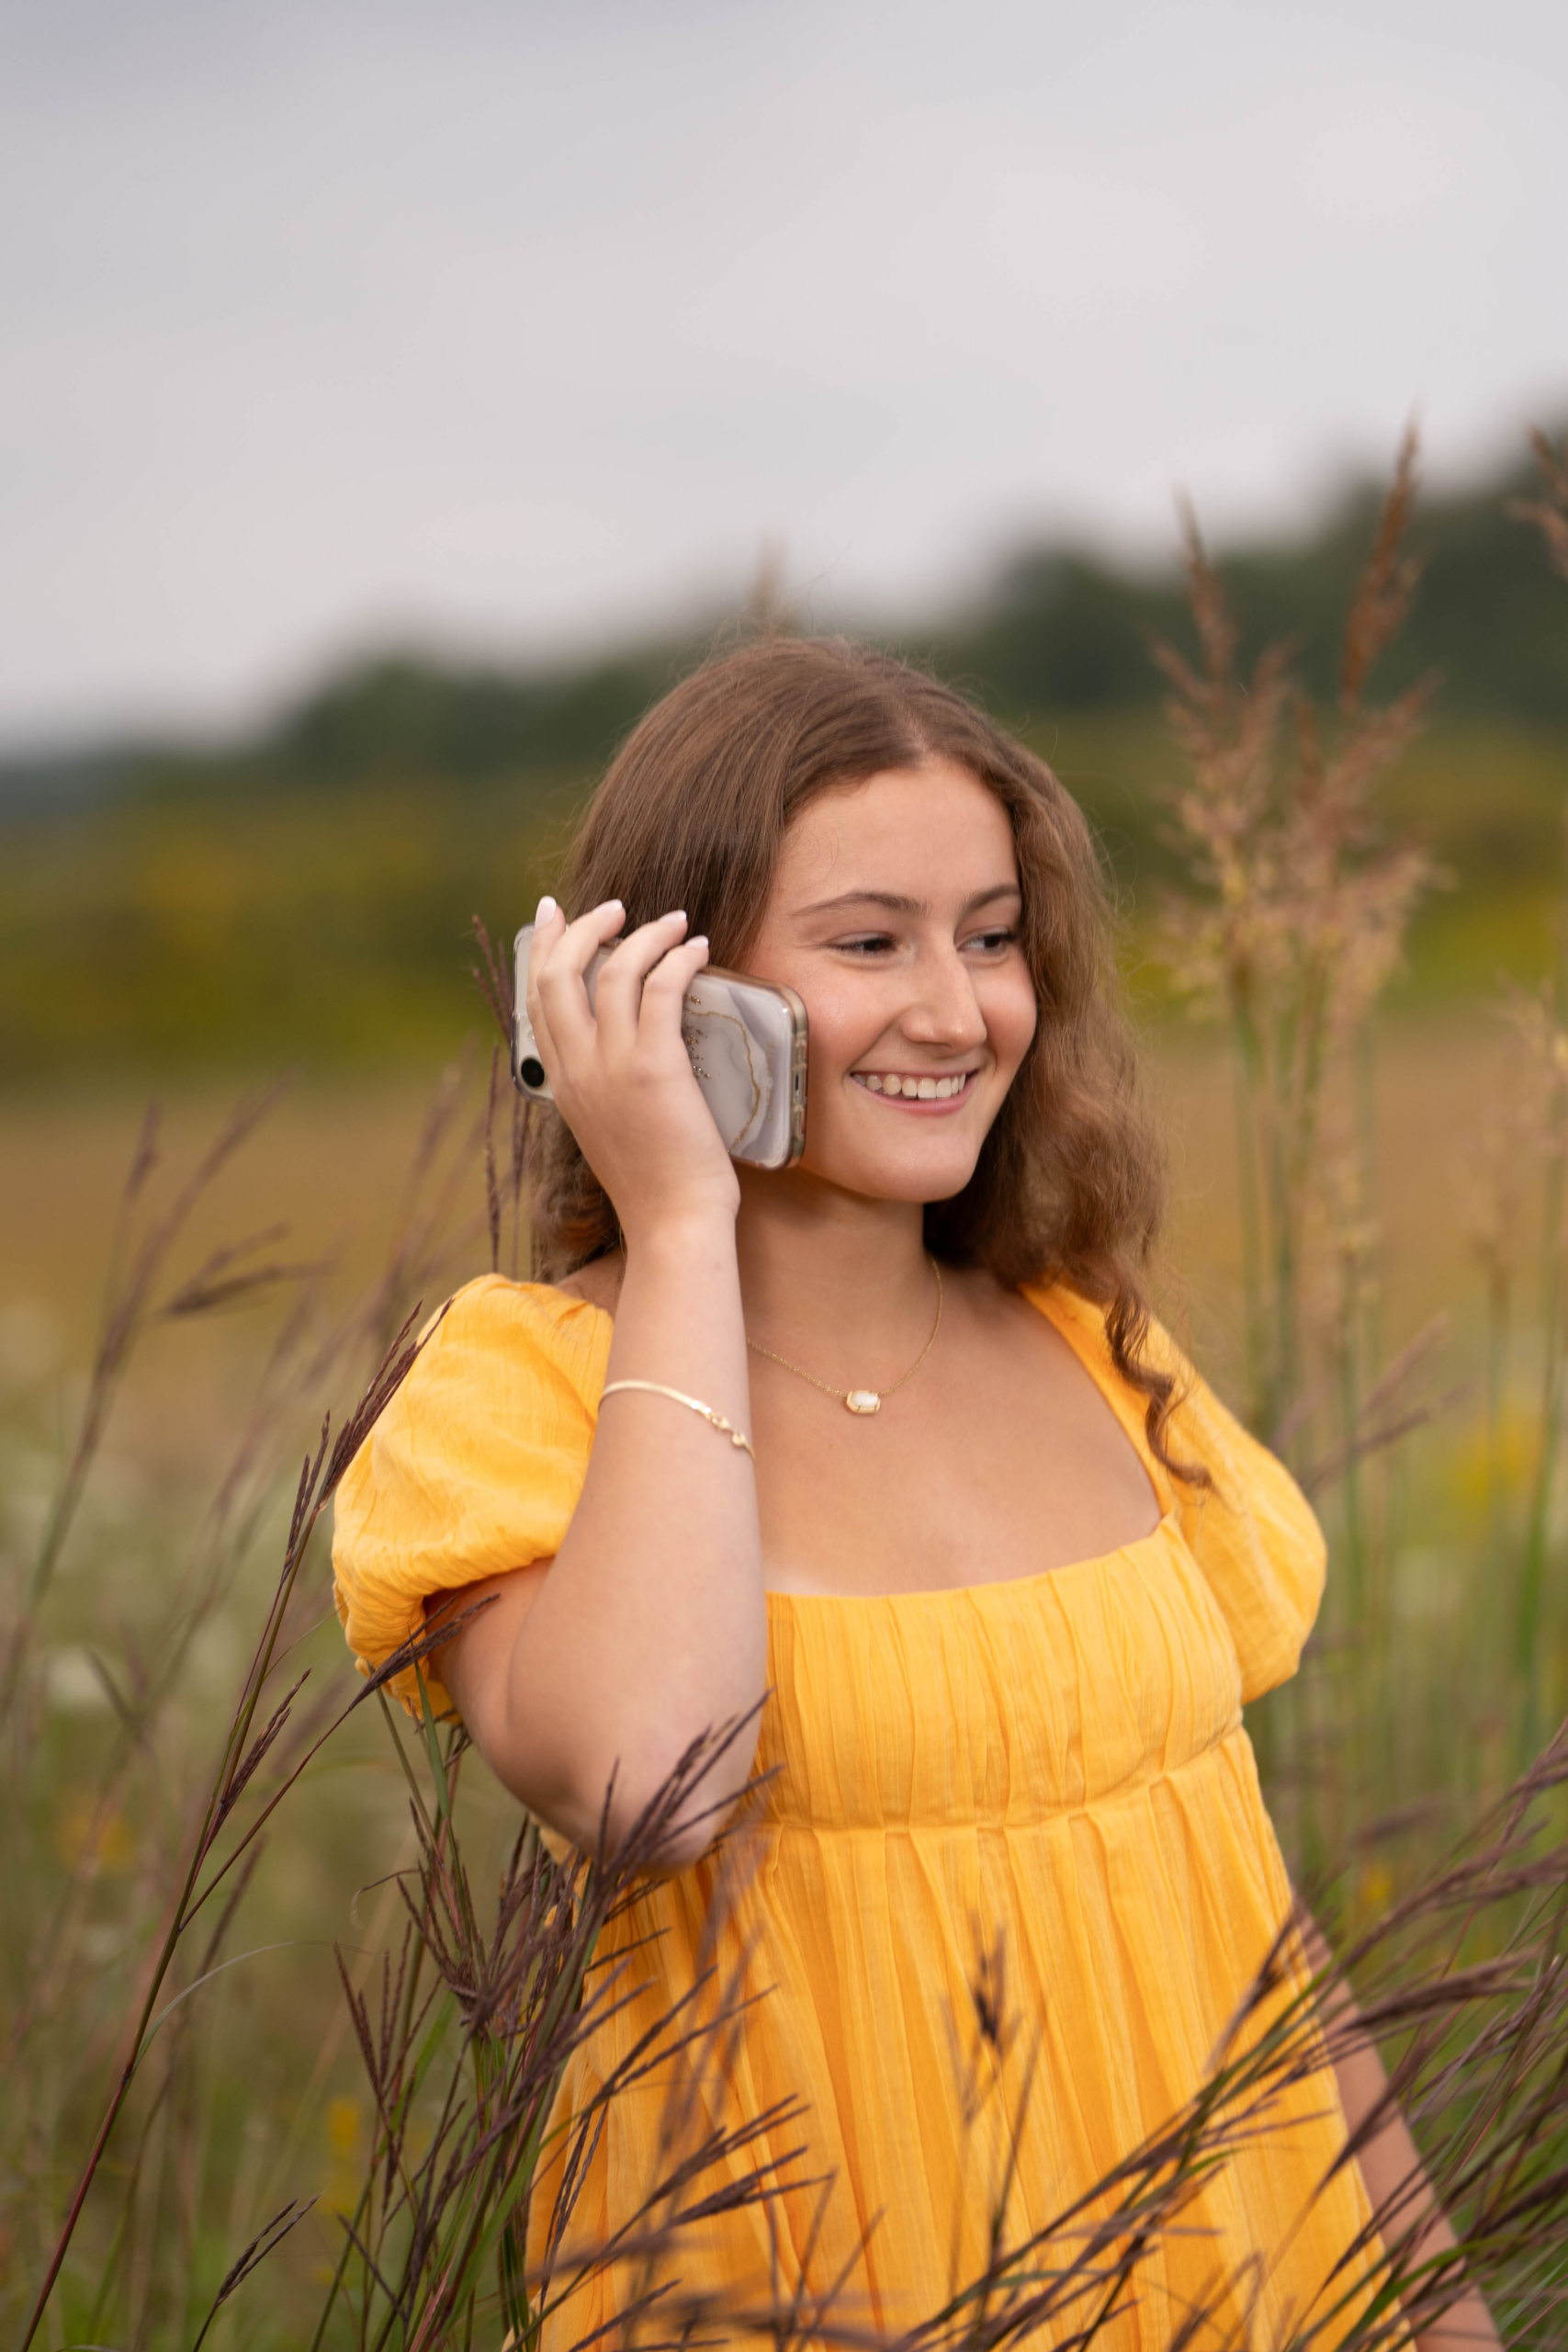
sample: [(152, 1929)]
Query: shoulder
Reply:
[(475, 1466), (1251, 1530), (493, 1328), (505, 1371)]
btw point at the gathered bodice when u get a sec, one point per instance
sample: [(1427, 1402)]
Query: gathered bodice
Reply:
[(996, 1704)]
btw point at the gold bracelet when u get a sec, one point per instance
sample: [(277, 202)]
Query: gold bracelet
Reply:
[(694, 1405)]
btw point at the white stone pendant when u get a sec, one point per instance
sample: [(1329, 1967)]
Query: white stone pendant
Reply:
[(863, 1400)]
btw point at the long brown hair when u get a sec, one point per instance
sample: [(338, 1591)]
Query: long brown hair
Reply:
[(1069, 1183)]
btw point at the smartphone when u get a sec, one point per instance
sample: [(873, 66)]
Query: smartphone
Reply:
[(747, 1040)]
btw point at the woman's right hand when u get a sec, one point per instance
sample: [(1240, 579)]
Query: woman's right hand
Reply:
[(619, 1070)]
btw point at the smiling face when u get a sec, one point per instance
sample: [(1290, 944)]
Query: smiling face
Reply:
[(895, 915)]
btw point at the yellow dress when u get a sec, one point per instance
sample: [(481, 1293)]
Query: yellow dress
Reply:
[(1053, 1769)]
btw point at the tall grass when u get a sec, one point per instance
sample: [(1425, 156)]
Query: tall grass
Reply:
[(128, 1877), (1289, 930), (365, 2157)]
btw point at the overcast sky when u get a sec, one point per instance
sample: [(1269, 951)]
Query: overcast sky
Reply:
[(510, 325)]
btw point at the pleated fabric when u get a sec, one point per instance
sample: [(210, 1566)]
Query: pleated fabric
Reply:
[(1007, 1881)]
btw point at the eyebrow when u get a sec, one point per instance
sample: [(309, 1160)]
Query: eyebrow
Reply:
[(897, 904)]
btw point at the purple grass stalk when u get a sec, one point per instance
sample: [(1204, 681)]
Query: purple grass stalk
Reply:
[(318, 1481)]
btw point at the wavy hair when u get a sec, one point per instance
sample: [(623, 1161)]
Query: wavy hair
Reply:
[(1069, 1183)]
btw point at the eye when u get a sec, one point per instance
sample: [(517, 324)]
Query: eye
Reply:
[(872, 942), (995, 941)]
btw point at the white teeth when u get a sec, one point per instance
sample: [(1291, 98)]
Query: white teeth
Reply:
[(914, 1089)]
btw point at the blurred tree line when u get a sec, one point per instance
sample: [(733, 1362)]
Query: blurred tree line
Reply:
[(304, 894)]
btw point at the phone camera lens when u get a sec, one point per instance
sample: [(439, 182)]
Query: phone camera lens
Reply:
[(532, 1070)]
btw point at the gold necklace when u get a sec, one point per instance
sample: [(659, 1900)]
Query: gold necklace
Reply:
[(860, 1400)]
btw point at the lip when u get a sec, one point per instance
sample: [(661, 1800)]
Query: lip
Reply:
[(930, 1109)]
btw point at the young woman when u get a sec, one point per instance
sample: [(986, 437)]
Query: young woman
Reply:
[(999, 1628)]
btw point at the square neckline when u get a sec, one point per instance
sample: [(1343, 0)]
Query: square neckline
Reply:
[(1077, 1321), (1049, 1300)]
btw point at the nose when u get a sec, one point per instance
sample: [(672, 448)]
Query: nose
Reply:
[(944, 1013)]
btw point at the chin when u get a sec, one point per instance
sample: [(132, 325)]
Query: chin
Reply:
[(921, 1177)]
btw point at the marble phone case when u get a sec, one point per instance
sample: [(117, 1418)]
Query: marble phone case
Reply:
[(747, 1040)]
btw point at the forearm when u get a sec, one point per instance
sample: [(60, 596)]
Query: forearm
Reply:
[(1396, 2180), (651, 1627)]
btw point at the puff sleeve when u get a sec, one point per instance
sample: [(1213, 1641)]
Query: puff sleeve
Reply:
[(475, 1466), (1253, 1533)]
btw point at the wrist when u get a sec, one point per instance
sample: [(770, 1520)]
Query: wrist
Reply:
[(698, 1233)]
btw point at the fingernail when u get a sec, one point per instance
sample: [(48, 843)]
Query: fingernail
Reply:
[(613, 903), (547, 909), (700, 939), (676, 914)]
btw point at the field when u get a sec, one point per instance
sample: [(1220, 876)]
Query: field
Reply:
[(163, 1583), (282, 2107), (1367, 1251), (326, 930), (332, 1160)]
